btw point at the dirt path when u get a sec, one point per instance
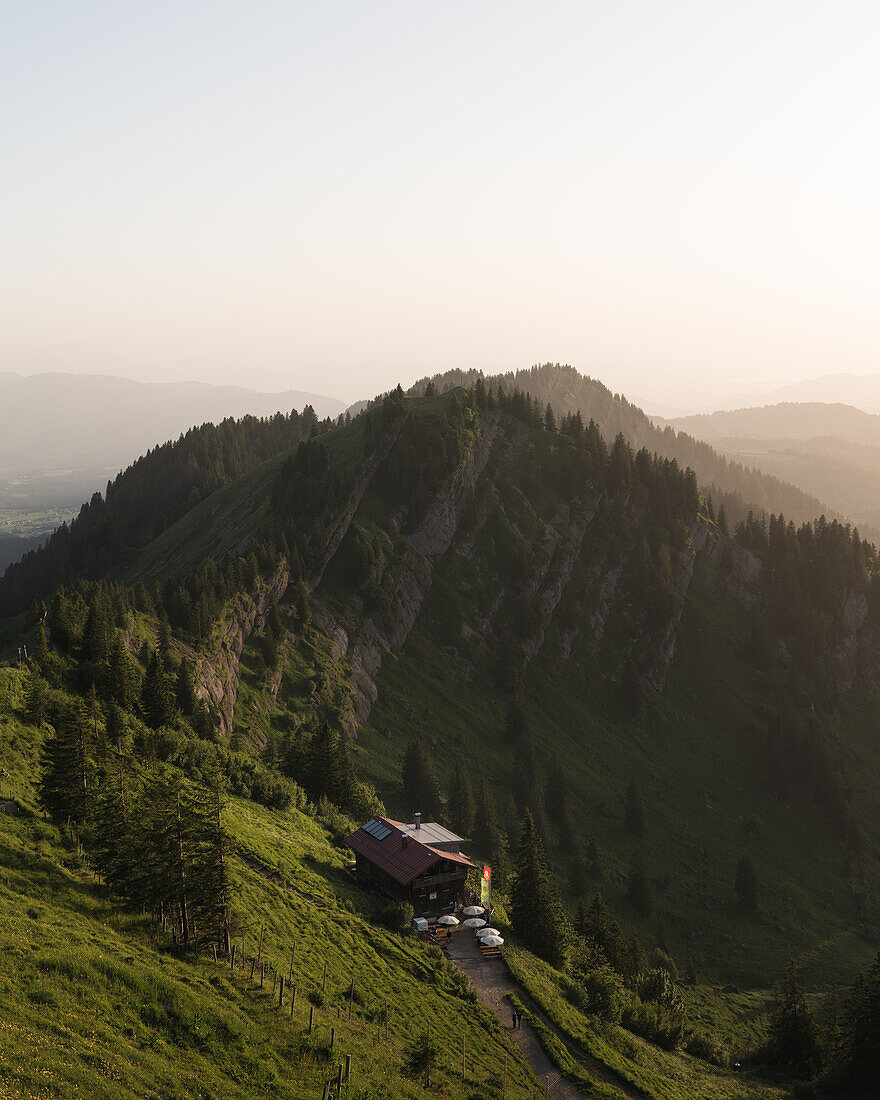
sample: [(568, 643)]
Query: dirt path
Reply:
[(492, 981)]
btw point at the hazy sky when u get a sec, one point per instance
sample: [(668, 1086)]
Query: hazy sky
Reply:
[(678, 198)]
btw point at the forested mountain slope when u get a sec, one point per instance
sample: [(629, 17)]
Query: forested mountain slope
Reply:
[(508, 616), (740, 485), (832, 451)]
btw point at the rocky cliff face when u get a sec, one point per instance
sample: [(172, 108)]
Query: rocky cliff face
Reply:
[(217, 672), (364, 638)]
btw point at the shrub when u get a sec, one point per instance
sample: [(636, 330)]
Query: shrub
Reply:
[(707, 1047), (397, 916), (654, 1022), (605, 995)]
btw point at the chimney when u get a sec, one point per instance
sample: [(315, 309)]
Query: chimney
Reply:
[(418, 821), (404, 838)]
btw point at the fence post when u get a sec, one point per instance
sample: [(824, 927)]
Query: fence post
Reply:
[(311, 1018), (293, 1001), (332, 1037), (292, 957), (281, 992), (348, 1067)]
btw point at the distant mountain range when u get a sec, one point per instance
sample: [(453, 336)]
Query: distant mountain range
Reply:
[(64, 423), (859, 390), (831, 451)]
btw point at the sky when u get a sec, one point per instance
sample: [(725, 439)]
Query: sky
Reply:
[(680, 199)]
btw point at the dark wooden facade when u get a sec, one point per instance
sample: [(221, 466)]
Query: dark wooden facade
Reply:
[(440, 887), (389, 858)]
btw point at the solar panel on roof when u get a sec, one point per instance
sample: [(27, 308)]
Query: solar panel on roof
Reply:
[(376, 829)]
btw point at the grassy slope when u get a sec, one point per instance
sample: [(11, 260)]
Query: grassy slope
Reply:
[(695, 754), (93, 1001), (644, 1067)]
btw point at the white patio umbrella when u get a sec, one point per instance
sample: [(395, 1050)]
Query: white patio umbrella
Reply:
[(475, 922), (483, 932), (448, 918), (492, 941), (472, 910)]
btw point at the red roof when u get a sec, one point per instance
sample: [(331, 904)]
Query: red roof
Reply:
[(403, 861)]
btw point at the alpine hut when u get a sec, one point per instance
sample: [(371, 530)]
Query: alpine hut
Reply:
[(419, 863)]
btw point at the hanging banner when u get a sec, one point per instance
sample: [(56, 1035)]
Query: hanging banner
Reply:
[(486, 887)]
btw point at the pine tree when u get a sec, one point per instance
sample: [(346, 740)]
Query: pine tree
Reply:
[(41, 649), (549, 419), (420, 787), (67, 781), (121, 674), (211, 888), (746, 885), (502, 873), (793, 1041), (185, 688), (536, 914), (36, 698), (831, 1038), (112, 841), (722, 521), (486, 831), (860, 1057), (461, 801), (156, 701)]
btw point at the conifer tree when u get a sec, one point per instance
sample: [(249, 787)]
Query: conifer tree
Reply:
[(211, 887), (420, 786), (793, 1041), (502, 872), (722, 521), (156, 700), (486, 831), (860, 1055), (185, 688), (113, 843), (41, 649), (121, 674), (461, 801), (67, 781), (36, 698), (536, 914)]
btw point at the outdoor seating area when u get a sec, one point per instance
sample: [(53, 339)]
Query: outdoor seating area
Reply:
[(472, 918)]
